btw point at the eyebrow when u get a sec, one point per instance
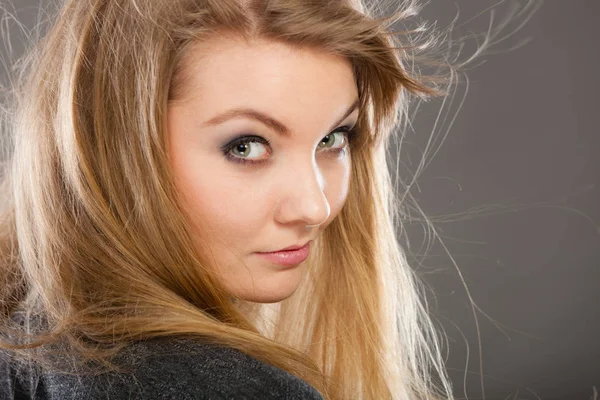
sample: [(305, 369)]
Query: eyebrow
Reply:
[(267, 120)]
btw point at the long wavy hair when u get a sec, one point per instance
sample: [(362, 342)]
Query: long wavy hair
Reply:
[(95, 248)]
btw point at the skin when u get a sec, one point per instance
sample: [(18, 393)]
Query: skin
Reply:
[(240, 209)]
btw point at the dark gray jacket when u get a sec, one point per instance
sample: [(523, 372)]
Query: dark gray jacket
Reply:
[(166, 368)]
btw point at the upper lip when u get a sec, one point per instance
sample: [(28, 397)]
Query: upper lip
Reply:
[(294, 247)]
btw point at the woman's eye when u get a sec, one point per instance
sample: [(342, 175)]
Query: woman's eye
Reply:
[(246, 149), (249, 149), (252, 149), (333, 141)]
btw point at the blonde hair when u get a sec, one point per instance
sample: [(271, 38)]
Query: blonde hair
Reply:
[(95, 244)]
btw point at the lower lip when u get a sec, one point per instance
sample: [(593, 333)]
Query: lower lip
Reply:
[(288, 257)]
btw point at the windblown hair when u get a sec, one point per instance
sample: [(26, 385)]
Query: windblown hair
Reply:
[(95, 248)]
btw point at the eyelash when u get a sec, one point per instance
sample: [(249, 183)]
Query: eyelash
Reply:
[(350, 134)]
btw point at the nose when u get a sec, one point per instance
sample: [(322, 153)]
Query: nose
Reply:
[(302, 198)]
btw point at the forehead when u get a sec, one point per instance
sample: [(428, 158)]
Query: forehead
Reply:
[(225, 68)]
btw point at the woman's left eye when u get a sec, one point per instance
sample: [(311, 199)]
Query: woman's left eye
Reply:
[(330, 140)]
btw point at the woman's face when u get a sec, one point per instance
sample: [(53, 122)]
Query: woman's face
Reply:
[(249, 197)]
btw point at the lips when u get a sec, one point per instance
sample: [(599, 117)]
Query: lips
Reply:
[(296, 247), (288, 257)]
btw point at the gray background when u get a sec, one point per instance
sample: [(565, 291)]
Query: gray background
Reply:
[(514, 191), (524, 148)]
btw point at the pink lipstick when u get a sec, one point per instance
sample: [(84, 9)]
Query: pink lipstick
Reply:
[(288, 257)]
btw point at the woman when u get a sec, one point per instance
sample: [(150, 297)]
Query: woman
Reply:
[(166, 156)]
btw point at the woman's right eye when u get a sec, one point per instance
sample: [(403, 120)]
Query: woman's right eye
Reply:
[(247, 149)]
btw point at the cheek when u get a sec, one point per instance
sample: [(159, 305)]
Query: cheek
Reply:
[(218, 206), (338, 184)]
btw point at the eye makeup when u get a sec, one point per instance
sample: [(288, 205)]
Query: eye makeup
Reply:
[(348, 131), (241, 141)]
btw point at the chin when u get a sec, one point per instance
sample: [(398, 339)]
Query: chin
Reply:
[(270, 296), (269, 286)]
